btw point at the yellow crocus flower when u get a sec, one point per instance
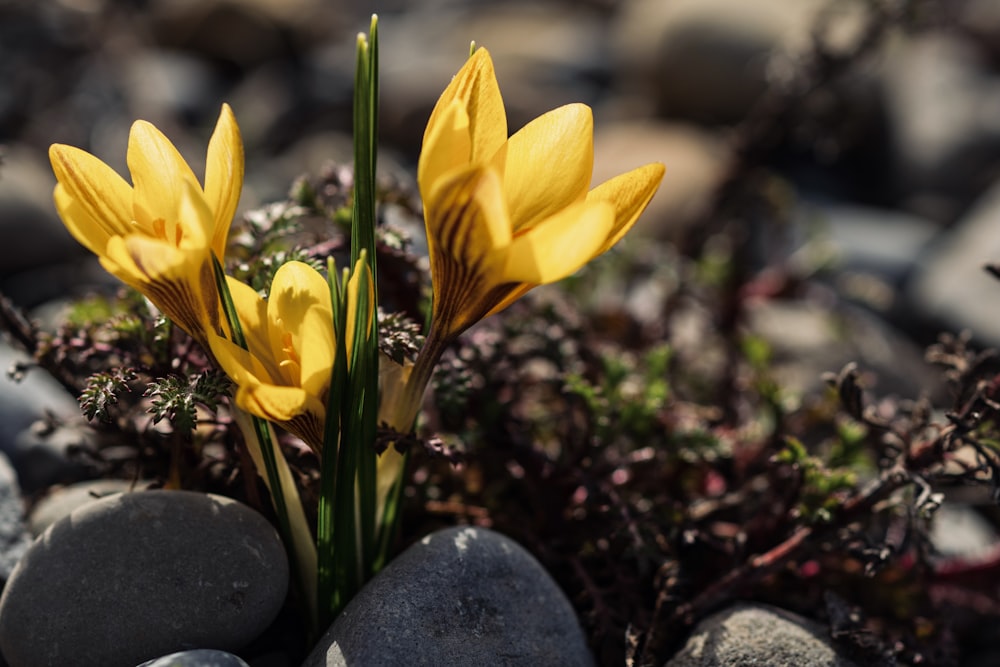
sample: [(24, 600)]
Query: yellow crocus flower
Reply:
[(506, 214), (284, 374), (157, 234), (503, 214)]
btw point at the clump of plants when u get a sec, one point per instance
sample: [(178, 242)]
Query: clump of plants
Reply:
[(657, 477)]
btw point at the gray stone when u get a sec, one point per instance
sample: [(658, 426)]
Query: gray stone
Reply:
[(958, 530), (951, 286), (707, 60), (197, 658), (752, 635), (942, 102), (47, 290), (461, 596), (169, 81), (981, 20), (42, 453), (30, 413), (544, 56), (883, 243), (25, 401), (14, 537), (62, 501), (30, 231), (134, 576), (809, 339)]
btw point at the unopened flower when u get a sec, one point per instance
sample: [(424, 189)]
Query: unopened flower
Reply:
[(503, 214), (284, 374), (157, 234)]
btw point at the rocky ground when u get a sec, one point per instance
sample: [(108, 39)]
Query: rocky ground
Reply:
[(831, 192)]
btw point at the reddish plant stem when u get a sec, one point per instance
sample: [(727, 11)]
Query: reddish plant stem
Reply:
[(25, 334), (665, 625)]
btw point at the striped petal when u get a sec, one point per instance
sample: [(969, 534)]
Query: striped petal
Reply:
[(447, 147), (475, 87), (178, 284), (224, 177), (467, 216), (96, 187), (85, 228), (292, 407)]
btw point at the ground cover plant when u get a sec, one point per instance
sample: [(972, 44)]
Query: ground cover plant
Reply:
[(658, 476)]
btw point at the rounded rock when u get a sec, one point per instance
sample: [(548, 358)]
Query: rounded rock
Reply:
[(27, 408), (135, 576), (460, 596), (747, 634), (197, 658), (14, 538), (63, 501)]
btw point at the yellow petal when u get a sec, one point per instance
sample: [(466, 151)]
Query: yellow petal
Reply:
[(392, 380), (279, 404), (316, 352), (559, 246), (194, 216), (475, 86), (293, 408), (391, 464), (250, 307), (549, 164), (251, 310), (98, 189), (158, 171), (242, 367), (629, 193), (224, 176), (361, 275), (510, 297), (467, 217), (86, 229), (299, 306), (447, 146), (149, 259), (179, 284), (297, 286)]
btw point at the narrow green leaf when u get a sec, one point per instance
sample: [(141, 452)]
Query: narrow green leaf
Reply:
[(228, 307), (259, 439), (348, 498), (327, 521)]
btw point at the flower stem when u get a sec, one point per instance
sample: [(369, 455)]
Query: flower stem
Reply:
[(416, 384)]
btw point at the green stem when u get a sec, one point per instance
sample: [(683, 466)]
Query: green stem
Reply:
[(267, 447), (327, 536), (389, 523), (403, 419)]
